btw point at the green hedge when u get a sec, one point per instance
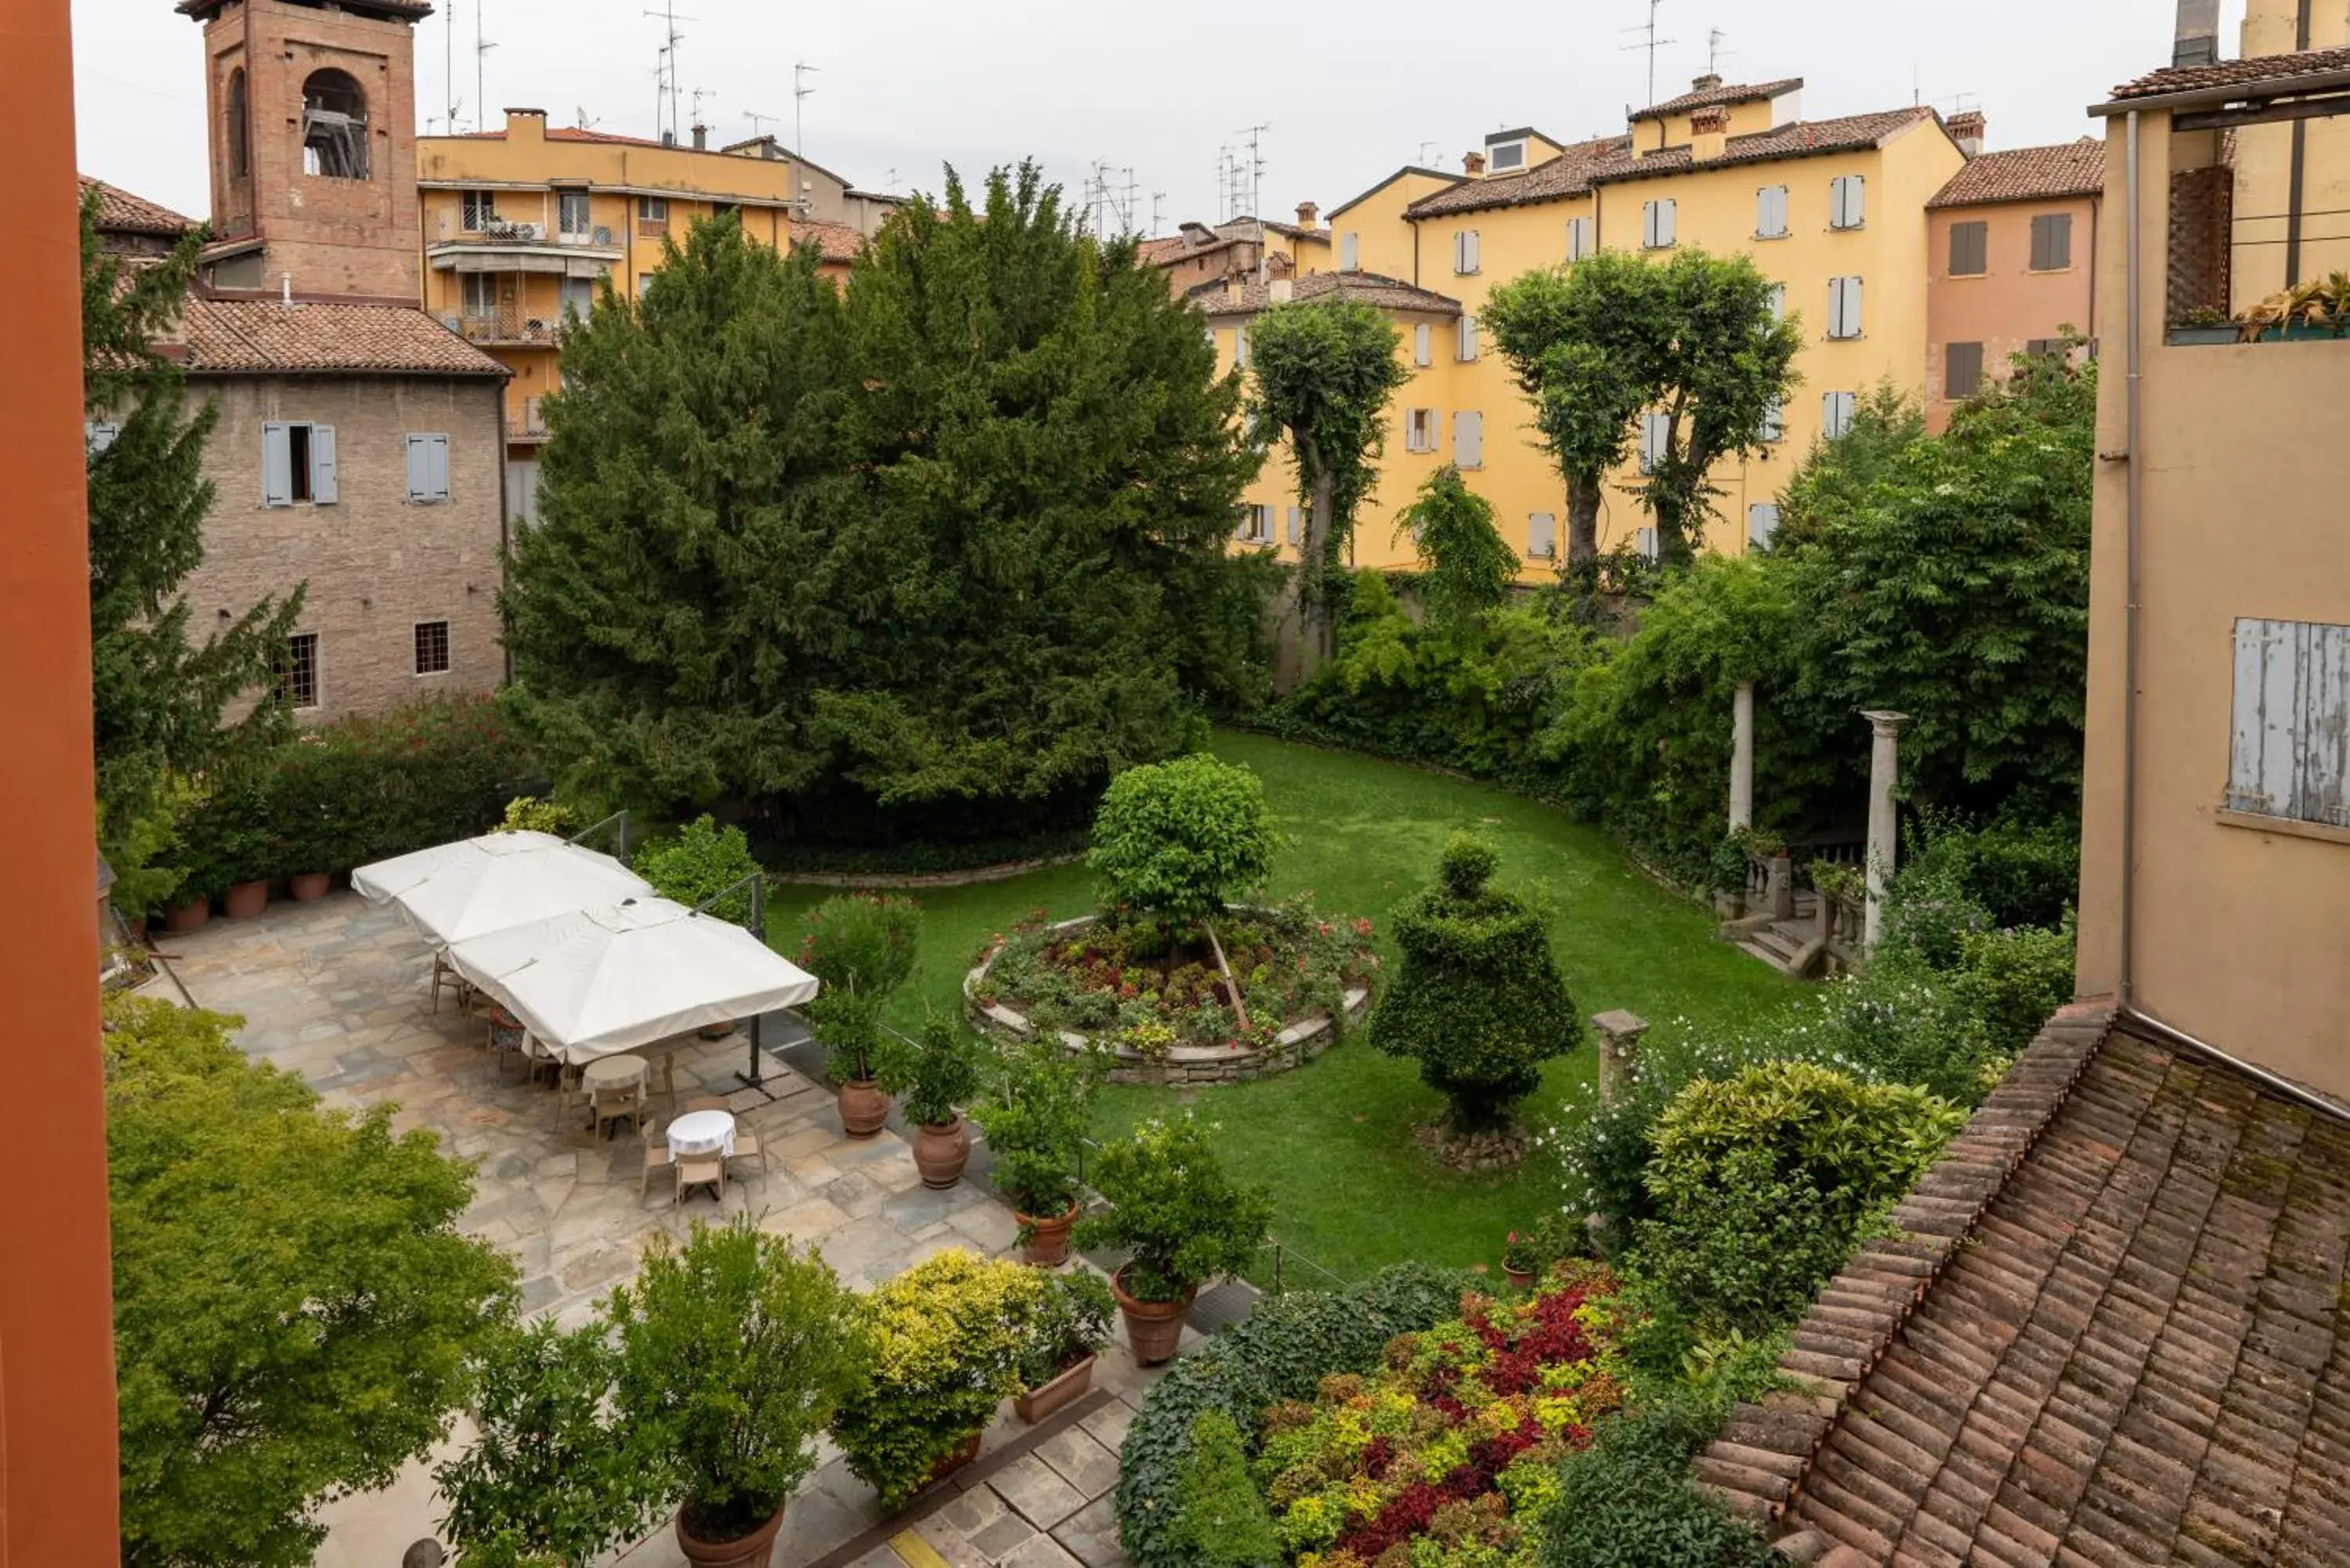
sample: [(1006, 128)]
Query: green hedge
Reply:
[(1287, 1345)]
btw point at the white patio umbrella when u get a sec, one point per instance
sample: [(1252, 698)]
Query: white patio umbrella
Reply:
[(596, 982), (451, 892)]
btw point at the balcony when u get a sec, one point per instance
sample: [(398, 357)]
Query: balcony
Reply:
[(507, 327), (529, 425), (503, 245)]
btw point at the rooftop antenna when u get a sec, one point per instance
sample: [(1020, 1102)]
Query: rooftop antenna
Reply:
[(482, 47), (448, 68), (1651, 43), (1714, 51), (759, 119), (799, 99), (890, 175), (1156, 198), (1254, 168), (1427, 158), (671, 38), (585, 120), (698, 95)]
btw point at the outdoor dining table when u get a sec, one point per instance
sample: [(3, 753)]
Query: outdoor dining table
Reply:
[(613, 1073), (702, 1133)]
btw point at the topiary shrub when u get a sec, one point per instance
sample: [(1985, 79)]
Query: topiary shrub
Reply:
[(1221, 1520), (701, 862), (1478, 1000)]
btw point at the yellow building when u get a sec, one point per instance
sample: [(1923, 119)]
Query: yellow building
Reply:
[(1834, 211), (521, 225)]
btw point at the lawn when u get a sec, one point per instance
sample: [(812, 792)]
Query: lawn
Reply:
[(1332, 1140)]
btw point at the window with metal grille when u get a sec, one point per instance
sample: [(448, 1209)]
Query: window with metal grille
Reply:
[(431, 647), (2289, 753), (297, 671), (571, 211), (1969, 249), (1961, 369), (478, 209), (2052, 242)]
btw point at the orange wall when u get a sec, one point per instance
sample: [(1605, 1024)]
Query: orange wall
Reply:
[(58, 1477), (2009, 304)]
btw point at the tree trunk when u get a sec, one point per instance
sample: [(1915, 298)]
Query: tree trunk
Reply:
[(1315, 641), (1583, 520), (1231, 982)]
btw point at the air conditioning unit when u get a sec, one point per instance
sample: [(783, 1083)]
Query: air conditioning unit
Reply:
[(530, 231)]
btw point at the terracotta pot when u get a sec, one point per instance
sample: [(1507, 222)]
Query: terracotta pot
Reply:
[(717, 1030), (954, 1460), (1038, 1403), (247, 899), (750, 1550), (1519, 1279), (1047, 1246), (309, 887), (864, 1107), (187, 917), (1153, 1329), (940, 1151)]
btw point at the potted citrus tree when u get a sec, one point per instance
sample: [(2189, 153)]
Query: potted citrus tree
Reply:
[(936, 1074), (1033, 1113), (734, 1351), (860, 946), (1180, 1218), (1059, 1342)]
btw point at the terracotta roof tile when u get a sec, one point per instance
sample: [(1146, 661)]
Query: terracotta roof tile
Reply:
[(2027, 174), (1368, 288), (119, 211), (2249, 72), (1799, 139), (834, 242), (1718, 95), (265, 336), (1567, 175), (2133, 1352)]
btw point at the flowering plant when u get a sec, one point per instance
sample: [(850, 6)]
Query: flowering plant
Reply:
[(1522, 1254)]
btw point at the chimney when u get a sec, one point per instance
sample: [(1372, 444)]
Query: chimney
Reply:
[(1966, 128), (669, 136), (1708, 134), (525, 125), (1308, 215), (2195, 40), (1280, 290), (1705, 83), (701, 139), (1474, 163)]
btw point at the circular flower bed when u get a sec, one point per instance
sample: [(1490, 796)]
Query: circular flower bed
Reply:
[(1160, 1004)]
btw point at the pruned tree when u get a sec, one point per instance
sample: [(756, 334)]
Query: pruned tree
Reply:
[(1323, 371)]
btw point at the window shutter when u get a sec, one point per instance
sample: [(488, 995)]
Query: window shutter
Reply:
[(1655, 436), (1421, 350), (1961, 368), (1770, 215), (1761, 524), (1775, 421), (97, 435), (1350, 252), (1846, 201), (1469, 440), (322, 463), (1644, 541), (276, 466), (1239, 345), (1969, 249), (1778, 302), (1542, 534), (1296, 525), (1579, 238), (1466, 351), (1836, 414), (2289, 755), (1473, 250), (440, 468), (1844, 307), (1648, 226), (420, 469), (2052, 242)]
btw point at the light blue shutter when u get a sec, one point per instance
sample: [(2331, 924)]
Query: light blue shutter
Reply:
[(1762, 522), (1296, 525), (1778, 302), (1542, 534), (1469, 250), (1655, 436), (1644, 543), (1579, 238), (1666, 213), (1469, 440), (1844, 307), (1350, 252), (97, 435), (276, 466), (2289, 751), (1775, 421), (1836, 414), (1847, 201), (441, 466), (1420, 350), (322, 463), (1466, 349)]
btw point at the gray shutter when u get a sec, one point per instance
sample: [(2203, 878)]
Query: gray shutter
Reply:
[(1775, 421), (1471, 238), (276, 466), (2052, 242), (1644, 543), (1296, 525), (1542, 534), (1844, 307), (1778, 302), (2289, 753), (1836, 414), (1969, 248), (420, 469), (1655, 435), (1469, 440), (97, 435), (1666, 213), (1761, 524), (322, 463), (1465, 349), (1421, 352), (1961, 368), (440, 468), (1648, 226), (1350, 252)]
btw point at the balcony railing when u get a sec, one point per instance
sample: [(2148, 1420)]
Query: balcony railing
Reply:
[(452, 228), (510, 324), (529, 424)]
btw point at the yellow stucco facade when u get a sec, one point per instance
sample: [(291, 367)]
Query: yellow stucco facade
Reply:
[(2284, 236)]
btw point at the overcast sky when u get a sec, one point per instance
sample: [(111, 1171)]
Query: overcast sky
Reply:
[(1347, 88)]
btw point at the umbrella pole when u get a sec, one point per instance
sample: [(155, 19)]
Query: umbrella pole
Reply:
[(759, 929)]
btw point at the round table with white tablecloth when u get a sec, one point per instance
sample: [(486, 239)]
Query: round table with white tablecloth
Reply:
[(613, 1073), (702, 1133)]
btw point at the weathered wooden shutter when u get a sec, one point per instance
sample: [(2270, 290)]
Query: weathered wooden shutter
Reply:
[(2289, 755), (1761, 524), (1469, 440), (2052, 242), (1969, 249), (1961, 368), (322, 463), (1350, 252), (277, 465)]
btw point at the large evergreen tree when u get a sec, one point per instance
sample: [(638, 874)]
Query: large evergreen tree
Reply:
[(947, 549), (160, 695)]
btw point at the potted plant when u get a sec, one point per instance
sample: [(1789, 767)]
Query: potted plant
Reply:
[(701, 864), (1521, 1261), (1182, 1220), (309, 809), (551, 1475), (734, 1351), (2203, 324), (861, 947), (1059, 1342), (936, 1074), (945, 1341), (1033, 1115)]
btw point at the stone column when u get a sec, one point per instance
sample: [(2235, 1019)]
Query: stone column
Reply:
[(1619, 1034), (1884, 822), (1741, 757)]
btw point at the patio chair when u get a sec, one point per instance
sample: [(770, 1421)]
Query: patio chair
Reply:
[(700, 1170), (707, 1103), (609, 1105), (747, 1146), (445, 973), (657, 1157)]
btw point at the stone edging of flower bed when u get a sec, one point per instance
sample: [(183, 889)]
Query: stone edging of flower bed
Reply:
[(1002, 871), (1300, 1043)]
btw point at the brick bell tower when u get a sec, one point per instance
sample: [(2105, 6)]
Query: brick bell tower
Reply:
[(311, 130)]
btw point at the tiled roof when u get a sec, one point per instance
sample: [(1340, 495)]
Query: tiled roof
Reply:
[(2028, 173), (1718, 95), (834, 242), (2246, 73), (1800, 138), (1159, 252), (1407, 169), (2112, 1329), (1568, 174), (121, 212), (267, 336), (1368, 288)]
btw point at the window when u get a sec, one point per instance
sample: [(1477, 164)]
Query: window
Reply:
[(2052, 242), (1847, 204), (428, 468), (1836, 414), (334, 127), (1421, 352), (645, 284), (2289, 755), (97, 435), (1542, 536), (1240, 346), (2045, 348), (1961, 369), (1644, 543), (571, 211), (239, 126), (431, 647), (1773, 425), (1778, 302), (478, 209), (297, 671), (1508, 155), (578, 297), (1761, 524), (1582, 237), (1256, 525), (1464, 250), (1350, 252), (1465, 348), (1844, 307), (1657, 224), (1770, 213), (297, 463), (1469, 440), (1419, 430), (1656, 439), (1296, 525), (653, 213), (1969, 249), (478, 293)]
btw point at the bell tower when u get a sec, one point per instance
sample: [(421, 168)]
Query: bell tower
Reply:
[(311, 131)]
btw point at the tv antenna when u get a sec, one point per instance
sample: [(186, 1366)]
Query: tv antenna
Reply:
[(668, 71), (799, 98), (757, 120), (1714, 51), (585, 120), (1156, 198), (449, 66), (1651, 43), (1426, 159), (1251, 175), (482, 47), (698, 94)]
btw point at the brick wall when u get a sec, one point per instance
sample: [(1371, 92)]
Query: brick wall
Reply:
[(376, 564)]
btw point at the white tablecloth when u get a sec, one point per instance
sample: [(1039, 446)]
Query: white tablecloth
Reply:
[(613, 1072), (701, 1132)]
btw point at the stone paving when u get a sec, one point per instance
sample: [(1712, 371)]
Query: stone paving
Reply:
[(339, 991)]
